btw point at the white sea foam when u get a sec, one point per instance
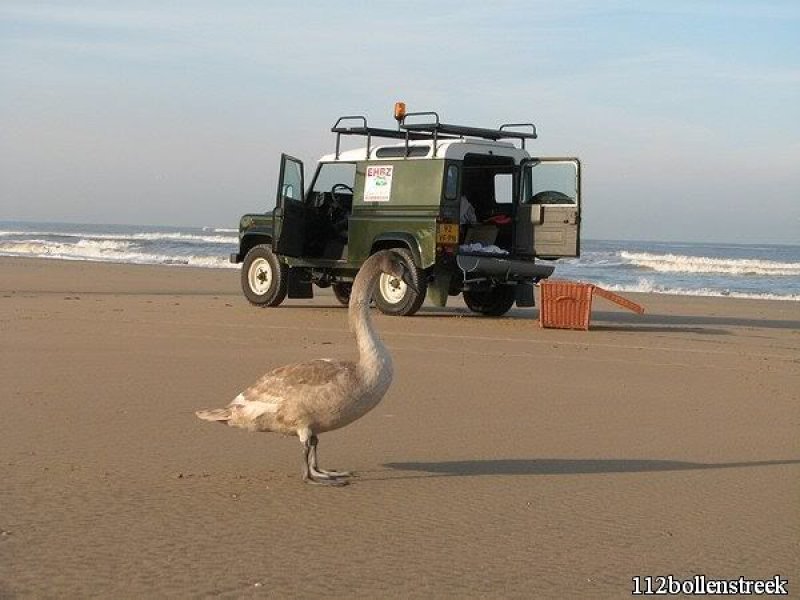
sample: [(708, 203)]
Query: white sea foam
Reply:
[(105, 251), (679, 263), (212, 239), (649, 286), (148, 236)]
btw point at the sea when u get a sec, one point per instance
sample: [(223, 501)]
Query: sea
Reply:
[(762, 271)]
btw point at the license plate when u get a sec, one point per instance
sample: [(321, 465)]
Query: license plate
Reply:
[(447, 233)]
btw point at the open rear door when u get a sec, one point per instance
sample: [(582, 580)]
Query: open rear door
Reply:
[(550, 206), (289, 219)]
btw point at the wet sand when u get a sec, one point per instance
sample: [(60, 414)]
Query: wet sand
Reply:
[(506, 460)]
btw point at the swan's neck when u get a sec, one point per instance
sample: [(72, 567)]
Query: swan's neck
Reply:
[(374, 360)]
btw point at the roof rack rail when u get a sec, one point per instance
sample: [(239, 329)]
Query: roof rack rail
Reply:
[(434, 131), (365, 130), (436, 128)]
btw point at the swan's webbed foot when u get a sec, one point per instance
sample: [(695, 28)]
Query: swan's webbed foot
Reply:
[(320, 480), (336, 474), (313, 474)]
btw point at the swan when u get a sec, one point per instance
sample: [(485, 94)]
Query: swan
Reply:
[(311, 397)]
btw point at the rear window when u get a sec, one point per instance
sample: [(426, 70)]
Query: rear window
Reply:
[(400, 151)]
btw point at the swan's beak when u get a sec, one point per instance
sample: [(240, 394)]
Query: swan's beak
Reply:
[(407, 279)]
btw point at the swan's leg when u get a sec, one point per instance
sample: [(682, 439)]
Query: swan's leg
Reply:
[(314, 440), (310, 473)]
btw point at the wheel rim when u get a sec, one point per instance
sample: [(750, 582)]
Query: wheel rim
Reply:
[(260, 276), (393, 289)]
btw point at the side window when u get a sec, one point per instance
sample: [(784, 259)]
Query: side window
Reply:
[(292, 180), (550, 183), (451, 183), (503, 188), (331, 174)]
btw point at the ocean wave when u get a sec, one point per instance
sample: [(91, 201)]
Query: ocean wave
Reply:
[(141, 236), (680, 263), (211, 239), (595, 259), (101, 244), (650, 287), (105, 251), (220, 229)]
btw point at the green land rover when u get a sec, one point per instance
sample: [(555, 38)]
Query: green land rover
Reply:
[(468, 208)]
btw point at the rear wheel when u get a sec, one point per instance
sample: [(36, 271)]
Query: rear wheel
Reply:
[(394, 297), (264, 277), (342, 292), (493, 302)]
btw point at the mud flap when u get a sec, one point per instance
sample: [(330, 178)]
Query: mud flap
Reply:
[(299, 284), (439, 288), (523, 295)]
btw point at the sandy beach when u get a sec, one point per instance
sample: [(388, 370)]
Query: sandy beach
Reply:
[(507, 461)]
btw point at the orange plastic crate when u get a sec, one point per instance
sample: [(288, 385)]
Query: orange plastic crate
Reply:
[(568, 304)]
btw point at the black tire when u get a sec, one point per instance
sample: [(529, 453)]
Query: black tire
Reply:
[(264, 277), (493, 302), (342, 292), (406, 302)]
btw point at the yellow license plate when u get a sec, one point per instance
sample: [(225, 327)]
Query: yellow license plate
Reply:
[(447, 233)]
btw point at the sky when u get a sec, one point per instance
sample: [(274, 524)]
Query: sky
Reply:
[(685, 114)]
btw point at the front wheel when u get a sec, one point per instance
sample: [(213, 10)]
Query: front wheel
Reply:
[(264, 277), (493, 302), (394, 297)]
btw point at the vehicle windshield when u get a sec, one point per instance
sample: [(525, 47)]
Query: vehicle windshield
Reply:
[(331, 174)]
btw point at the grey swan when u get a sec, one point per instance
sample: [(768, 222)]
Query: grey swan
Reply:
[(311, 397)]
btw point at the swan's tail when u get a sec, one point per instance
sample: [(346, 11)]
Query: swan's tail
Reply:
[(221, 415)]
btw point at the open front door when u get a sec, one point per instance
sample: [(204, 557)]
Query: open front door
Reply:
[(549, 216), (289, 216)]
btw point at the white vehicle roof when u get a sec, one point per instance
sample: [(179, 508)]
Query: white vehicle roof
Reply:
[(447, 148)]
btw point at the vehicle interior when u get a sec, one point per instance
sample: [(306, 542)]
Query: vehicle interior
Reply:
[(487, 184), (327, 211)]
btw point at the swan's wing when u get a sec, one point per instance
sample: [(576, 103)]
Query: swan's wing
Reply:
[(280, 395), (311, 373), (295, 380)]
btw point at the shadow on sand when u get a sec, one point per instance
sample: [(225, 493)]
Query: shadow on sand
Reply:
[(604, 320), (558, 466), (624, 322)]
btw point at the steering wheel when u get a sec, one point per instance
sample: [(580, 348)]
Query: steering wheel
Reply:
[(335, 191), (337, 202)]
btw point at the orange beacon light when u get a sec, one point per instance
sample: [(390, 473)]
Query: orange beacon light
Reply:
[(399, 110)]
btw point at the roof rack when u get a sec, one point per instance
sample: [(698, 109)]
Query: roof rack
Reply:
[(369, 132), (434, 131), (437, 127)]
